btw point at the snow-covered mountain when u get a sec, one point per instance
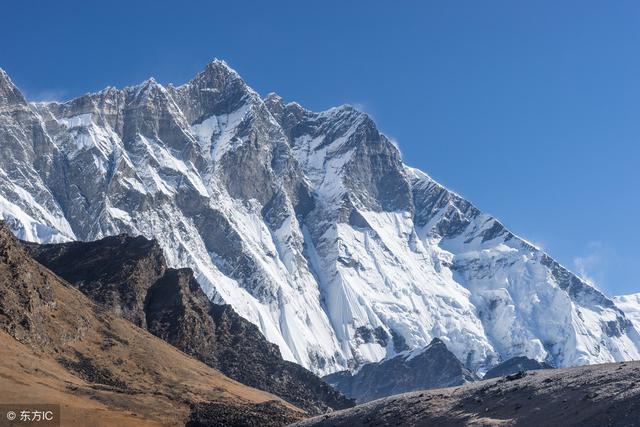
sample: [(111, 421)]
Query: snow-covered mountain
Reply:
[(308, 223)]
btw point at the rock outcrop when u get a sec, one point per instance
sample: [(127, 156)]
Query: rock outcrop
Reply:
[(515, 365), (431, 367)]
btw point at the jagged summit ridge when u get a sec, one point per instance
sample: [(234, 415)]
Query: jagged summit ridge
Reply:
[(308, 223)]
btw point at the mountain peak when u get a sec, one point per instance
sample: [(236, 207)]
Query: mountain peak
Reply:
[(348, 112), (216, 73), (219, 64), (437, 342), (9, 93), (217, 89), (149, 88), (273, 97)]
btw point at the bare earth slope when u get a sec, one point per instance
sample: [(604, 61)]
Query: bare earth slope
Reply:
[(56, 346), (597, 395)]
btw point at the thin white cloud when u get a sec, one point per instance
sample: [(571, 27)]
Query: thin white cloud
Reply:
[(365, 109), (538, 244), (360, 107), (47, 95), (395, 144), (591, 266)]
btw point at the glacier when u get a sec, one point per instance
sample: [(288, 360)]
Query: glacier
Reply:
[(308, 223)]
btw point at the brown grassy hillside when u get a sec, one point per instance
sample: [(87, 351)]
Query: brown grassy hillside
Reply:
[(56, 346)]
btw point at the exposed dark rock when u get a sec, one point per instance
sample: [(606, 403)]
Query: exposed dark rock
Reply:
[(246, 356), (215, 414), (514, 365), (399, 342), (90, 267), (372, 335), (431, 367), (516, 376), (86, 369), (26, 297)]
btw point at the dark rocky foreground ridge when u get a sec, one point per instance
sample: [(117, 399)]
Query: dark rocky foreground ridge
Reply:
[(58, 346), (431, 367), (129, 276), (587, 396)]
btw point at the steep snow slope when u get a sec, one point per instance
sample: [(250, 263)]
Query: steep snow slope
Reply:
[(630, 305), (308, 223)]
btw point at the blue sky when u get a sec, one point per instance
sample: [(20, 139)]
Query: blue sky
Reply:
[(529, 109)]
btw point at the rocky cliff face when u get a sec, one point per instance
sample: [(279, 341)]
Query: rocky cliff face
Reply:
[(308, 224), (129, 277), (431, 367)]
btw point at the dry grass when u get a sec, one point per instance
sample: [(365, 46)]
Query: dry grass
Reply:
[(56, 346)]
